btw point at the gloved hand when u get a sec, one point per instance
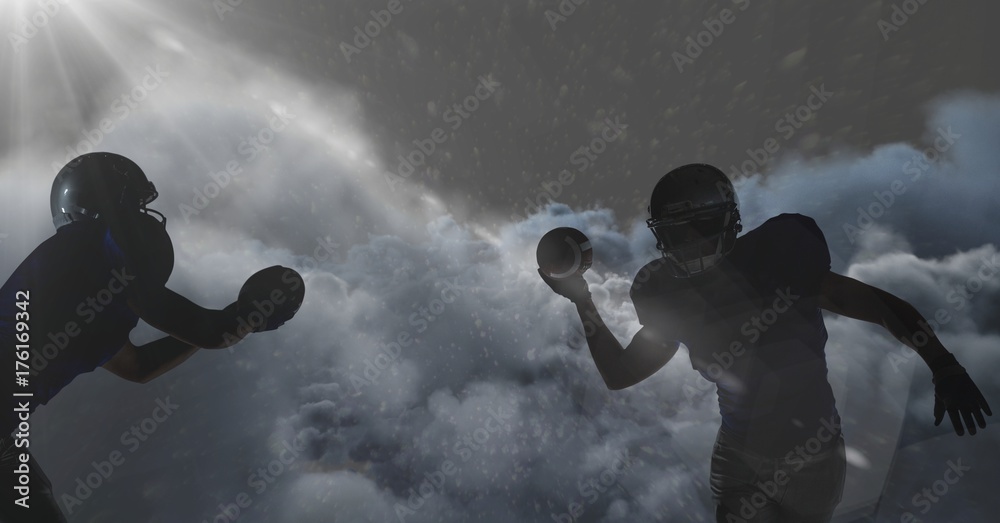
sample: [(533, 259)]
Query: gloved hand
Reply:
[(244, 324), (247, 317), (575, 287), (956, 393)]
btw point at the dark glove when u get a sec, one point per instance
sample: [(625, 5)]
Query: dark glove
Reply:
[(956, 393), (234, 308), (575, 287)]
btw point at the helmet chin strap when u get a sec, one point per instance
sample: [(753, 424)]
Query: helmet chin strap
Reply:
[(162, 219)]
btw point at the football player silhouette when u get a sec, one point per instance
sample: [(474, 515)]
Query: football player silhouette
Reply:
[(69, 306), (748, 309)]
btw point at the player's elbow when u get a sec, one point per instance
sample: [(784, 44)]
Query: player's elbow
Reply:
[(222, 329), (223, 339), (130, 376), (210, 342), (618, 381), (208, 333), (136, 374), (149, 376)]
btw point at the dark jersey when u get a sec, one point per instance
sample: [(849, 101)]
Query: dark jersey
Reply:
[(753, 327), (78, 315)]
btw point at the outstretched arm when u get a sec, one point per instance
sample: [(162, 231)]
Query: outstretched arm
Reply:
[(849, 297), (181, 318), (619, 367), (623, 367), (148, 361), (954, 390)]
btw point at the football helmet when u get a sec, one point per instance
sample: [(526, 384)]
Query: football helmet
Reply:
[(103, 186), (694, 215)]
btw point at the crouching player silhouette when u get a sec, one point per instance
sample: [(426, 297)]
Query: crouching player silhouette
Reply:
[(749, 311), (69, 306)]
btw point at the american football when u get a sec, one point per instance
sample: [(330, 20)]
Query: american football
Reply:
[(563, 252), (275, 293)]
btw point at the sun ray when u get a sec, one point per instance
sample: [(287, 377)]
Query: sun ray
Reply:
[(106, 36), (68, 88)]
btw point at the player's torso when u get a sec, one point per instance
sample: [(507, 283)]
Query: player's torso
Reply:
[(752, 329), (741, 305), (78, 313)]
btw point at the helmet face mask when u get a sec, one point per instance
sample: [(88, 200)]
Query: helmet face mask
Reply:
[(101, 186), (142, 193), (694, 218)]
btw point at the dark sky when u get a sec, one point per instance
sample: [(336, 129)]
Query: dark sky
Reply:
[(604, 59), (617, 59)]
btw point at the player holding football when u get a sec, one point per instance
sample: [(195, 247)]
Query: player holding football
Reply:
[(749, 311), (83, 290)]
